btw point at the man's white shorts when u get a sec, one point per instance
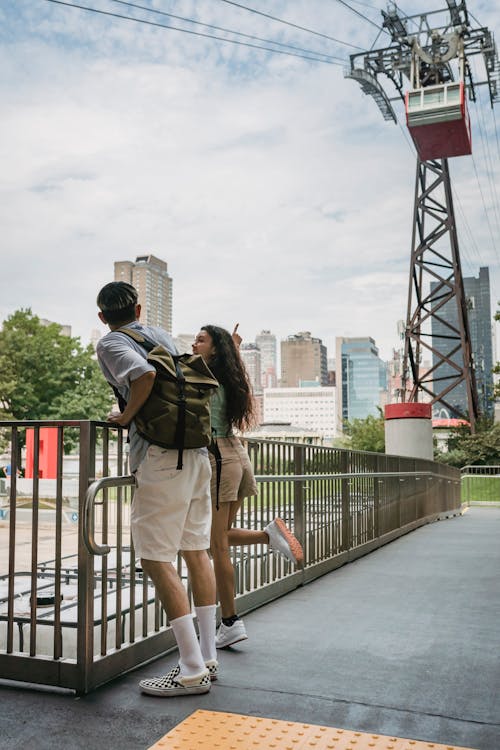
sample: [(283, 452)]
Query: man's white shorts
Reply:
[(171, 508)]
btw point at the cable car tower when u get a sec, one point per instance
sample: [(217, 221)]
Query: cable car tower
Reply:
[(432, 53)]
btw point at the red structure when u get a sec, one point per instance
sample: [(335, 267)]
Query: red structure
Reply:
[(47, 456), (438, 121), (408, 410)]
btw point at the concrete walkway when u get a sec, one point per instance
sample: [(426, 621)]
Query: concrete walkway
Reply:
[(403, 642)]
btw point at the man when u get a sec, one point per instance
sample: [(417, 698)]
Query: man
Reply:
[(171, 508)]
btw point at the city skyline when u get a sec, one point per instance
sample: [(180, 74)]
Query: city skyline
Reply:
[(275, 205)]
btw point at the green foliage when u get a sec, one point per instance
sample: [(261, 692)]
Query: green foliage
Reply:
[(366, 434), (480, 449), (46, 375)]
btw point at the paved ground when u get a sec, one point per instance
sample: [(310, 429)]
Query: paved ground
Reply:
[(403, 642)]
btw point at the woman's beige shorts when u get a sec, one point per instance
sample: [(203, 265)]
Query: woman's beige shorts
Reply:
[(237, 480), (171, 508)]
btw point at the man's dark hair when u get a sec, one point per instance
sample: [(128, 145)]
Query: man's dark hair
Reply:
[(117, 301)]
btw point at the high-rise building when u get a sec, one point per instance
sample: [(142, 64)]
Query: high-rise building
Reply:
[(303, 358), (309, 408), (361, 379), (64, 330), (184, 342), (250, 354), (266, 342), (477, 293), (149, 276)]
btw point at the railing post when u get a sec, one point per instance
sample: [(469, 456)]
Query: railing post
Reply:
[(298, 497), (346, 509), (376, 497), (85, 631)]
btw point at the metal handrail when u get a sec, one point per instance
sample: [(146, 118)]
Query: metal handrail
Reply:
[(107, 482), (352, 475), (88, 510)]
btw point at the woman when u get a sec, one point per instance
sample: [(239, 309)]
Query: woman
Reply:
[(232, 407)]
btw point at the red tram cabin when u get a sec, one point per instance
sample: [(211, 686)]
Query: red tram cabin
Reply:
[(438, 121)]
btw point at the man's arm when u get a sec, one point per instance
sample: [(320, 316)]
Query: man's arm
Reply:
[(139, 392)]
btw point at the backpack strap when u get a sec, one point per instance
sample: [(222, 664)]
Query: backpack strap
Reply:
[(180, 428), (215, 451), (139, 338), (147, 345)]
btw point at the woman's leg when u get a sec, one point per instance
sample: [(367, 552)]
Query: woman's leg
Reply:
[(239, 537), (219, 547)]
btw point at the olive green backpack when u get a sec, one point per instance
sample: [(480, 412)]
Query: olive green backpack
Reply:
[(177, 411)]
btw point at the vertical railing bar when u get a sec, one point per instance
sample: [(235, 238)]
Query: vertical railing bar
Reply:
[(85, 606), (34, 538), (132, 573), (104, 559), (14, 450), (58, 545), (145, 613), (119, 563), (298, 495)]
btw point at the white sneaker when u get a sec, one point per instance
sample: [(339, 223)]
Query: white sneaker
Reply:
[(228, 636), (283, 541), (173, 684)]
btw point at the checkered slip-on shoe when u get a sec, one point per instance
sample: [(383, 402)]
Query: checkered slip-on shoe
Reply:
[(283, 541), (213, 668), (173, 684)]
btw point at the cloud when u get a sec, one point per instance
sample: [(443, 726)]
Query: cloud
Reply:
[(272, 187)]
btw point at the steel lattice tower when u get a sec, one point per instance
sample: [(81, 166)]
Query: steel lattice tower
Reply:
[(433, 54), (435, 267)]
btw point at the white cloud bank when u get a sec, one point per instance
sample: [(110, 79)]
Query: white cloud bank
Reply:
[(273, 188)]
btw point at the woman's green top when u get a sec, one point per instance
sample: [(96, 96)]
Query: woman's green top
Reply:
[(218, 417)]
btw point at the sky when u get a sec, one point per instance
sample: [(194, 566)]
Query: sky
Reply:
[(270, 184)]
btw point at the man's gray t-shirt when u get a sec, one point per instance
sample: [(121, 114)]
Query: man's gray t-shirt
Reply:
[(123, 360)]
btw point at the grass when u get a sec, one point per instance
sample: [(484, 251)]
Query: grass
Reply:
[(484, 489)]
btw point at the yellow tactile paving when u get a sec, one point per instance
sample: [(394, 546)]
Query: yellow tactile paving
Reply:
[(216, 730)]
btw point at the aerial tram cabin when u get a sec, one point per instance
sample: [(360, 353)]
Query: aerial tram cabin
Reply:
[(438, 121)]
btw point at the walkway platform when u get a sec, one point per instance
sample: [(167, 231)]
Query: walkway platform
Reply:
[(403, 643)]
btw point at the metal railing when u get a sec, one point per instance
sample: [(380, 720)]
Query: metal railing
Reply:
[(480, 485), (75, 607)]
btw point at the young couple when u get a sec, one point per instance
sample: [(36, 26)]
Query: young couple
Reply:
[(181, 510)]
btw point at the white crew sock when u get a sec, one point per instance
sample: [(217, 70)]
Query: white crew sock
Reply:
[(206, 626), (191, 661)]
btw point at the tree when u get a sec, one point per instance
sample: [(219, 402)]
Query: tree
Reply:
[(480, 449), (366, 434), (46, 375)]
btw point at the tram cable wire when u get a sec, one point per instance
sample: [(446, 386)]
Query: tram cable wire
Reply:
[(472, 242), (195, 33), (488, 163), (496, 252), (289, 23), (361, 15), (496, 133), (225, 30)]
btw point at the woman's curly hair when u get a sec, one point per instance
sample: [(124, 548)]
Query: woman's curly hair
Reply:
[(228, 368)]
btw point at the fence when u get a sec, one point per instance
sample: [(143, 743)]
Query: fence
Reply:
[(75, 607), (481, 485)]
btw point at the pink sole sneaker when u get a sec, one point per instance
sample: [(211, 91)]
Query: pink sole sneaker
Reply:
[(292, 540)]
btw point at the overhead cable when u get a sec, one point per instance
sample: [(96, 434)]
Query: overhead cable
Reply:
[(196, 33), (485, 209), (361, 15), (289, 23), (489, 169), (227, 31)]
